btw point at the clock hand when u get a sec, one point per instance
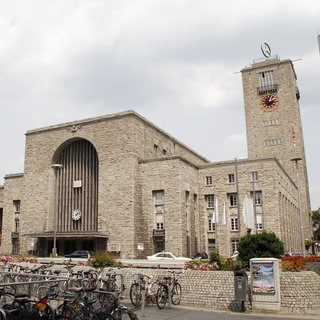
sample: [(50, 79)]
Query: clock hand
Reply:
[(271, 99)]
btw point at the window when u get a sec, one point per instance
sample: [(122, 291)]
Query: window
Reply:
[(257, 197), (16, 205), (254, 176), (15, 246), (266, 78), (272, 142), (211, 224), (270, 122), (267, 82), (209, 181), (211, 244), (155, 149), (159, 221), (259, 222), (158, 197), (234, 245), (164, 152), (231, 178), (233, 199), (234, 224), (16, 225), (210, 201)]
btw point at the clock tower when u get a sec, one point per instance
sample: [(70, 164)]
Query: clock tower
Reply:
[(273, 121)]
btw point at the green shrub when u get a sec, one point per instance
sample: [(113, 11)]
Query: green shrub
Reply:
[(214, 256), (103, 259), (229, 264)]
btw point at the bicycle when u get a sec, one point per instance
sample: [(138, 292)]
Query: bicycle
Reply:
[(112, 281), (110, 304), (169, 288), (24, 308), (139, 284)]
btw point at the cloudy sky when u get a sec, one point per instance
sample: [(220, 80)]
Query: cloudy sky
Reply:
[(175, 62)]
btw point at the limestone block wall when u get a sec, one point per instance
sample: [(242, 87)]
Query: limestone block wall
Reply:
[(300, 291)]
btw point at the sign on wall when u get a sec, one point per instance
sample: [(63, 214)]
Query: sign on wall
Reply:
[(263, 277)]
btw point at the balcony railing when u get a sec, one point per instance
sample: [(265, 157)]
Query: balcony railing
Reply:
[(268, 89)]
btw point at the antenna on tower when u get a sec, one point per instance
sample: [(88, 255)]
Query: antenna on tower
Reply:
[(319, 42)]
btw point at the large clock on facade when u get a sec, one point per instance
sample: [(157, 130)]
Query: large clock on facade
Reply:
[(269, 102), (76, 214)]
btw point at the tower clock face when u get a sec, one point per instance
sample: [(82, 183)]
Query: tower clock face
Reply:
[(269, 102)]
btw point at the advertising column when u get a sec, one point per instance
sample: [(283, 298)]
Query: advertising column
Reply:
[(265, 284)]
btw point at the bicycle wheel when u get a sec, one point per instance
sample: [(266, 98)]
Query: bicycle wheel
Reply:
[(135, 294), (123, 313), (43, 291), (104, 316), (2, 314), (176, 294), (162, 297)]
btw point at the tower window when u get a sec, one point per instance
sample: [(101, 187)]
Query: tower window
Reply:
[(270, 122), (267, 82), (272, 142)]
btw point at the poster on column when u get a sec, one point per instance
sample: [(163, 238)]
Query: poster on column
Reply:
[(263, 278)]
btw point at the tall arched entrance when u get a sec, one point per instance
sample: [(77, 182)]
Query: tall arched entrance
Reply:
[(75, 203)]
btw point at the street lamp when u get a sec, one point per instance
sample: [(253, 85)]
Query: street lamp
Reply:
[(295, 160), (55, 167)]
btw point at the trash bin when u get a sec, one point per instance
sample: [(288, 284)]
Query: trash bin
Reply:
[(240, 287)]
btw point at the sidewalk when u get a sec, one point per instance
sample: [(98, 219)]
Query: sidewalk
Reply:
[(187, 313)]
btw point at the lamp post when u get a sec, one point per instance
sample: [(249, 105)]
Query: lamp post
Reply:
[(55, 167), (295, 160)]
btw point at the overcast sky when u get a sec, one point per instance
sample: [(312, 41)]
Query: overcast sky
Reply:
[(175, 62)]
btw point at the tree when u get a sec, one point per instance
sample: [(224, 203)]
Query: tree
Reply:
[(316, 224), (261, 245)]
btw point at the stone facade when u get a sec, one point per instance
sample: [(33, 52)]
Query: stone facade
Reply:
[(136, 187), (277, 131)]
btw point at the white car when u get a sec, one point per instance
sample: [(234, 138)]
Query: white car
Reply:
[(166, 256)]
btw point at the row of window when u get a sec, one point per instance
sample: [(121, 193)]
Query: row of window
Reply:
[(234, 224), (231, 178), (270, 122), (156, 150), (233, 199), (212, 244), (272, 142)]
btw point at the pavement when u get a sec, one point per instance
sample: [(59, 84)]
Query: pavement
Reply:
[(151, 312)]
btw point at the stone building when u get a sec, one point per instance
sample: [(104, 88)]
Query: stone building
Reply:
[(118, 183)]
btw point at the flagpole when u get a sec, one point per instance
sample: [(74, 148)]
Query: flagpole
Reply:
[(254, 204), (238, 196), (216, 212)]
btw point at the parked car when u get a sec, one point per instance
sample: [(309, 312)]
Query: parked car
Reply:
[(200, 256), (79, 254), (166, 256)]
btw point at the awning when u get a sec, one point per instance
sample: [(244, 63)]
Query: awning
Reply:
[(68, 235)]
